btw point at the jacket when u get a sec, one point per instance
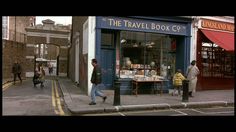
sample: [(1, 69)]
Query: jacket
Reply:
[(16, 68), (177, 79), (192, 72), (96, 75)]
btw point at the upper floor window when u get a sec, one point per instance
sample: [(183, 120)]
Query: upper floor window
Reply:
[(5, 27)]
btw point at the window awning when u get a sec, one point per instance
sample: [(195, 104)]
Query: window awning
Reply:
[(223, 39)]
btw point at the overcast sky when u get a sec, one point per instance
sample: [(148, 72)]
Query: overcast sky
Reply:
[(65, 20)]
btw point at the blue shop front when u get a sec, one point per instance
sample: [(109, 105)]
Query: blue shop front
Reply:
[(142, 48)]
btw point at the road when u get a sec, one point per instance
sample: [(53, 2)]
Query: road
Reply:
[(214, 111), (24, 99)]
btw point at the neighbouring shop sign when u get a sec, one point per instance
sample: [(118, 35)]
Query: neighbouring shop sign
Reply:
[(142, 25), (217, 25)]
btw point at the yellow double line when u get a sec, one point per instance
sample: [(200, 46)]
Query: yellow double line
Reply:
[(56, 102)]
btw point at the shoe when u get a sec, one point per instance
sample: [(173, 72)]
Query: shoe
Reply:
[(92, 103), (104, 99)]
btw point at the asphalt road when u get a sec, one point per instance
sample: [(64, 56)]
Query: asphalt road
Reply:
[(214, 111), (25, 99)]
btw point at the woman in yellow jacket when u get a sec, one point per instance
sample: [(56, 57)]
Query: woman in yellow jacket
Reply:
[(177, 81)]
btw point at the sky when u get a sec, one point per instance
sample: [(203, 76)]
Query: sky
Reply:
[(65, 20)]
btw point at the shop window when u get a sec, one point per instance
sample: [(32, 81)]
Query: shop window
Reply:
[(216, 62), (146, 55)]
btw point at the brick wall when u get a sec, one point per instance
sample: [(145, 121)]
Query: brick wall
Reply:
[(12, 51)]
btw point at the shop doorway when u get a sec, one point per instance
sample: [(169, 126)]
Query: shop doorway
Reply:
[(108, 57), (107, 65)]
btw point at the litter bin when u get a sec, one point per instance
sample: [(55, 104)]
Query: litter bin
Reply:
[(117, 93), (185, 90)]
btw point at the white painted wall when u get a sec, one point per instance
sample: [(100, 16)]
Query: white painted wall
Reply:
[(29, 74), (92, 47), (193, 46)]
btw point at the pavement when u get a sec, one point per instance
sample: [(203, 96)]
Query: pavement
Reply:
[(76, 100)]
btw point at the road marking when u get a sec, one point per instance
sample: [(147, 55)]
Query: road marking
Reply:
[(53, 99), (198, 111), (121, 114), (179, 111), (220, 112), (55, 86), (58, 101)]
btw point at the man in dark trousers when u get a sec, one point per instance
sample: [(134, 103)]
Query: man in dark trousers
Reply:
[(96, 80), (16, 70)]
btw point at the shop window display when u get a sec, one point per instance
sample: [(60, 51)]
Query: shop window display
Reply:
[(146, 56), (216, 62)]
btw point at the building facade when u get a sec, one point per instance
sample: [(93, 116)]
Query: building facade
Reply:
[(48, 42), (214, 51), (14, 41), (128, 48)]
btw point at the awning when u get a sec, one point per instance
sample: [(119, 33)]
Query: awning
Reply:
[(223, 39)]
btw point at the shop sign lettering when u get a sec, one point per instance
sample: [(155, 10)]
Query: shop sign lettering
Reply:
[(143, 25), (218, 25)]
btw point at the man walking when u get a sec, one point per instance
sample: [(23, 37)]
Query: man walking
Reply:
[(16, 70), (96, 80)]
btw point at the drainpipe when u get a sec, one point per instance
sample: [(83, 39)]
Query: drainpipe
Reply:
[(15, 38)]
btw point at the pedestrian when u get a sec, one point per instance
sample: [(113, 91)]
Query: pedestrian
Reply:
[(50, 69), (42, 76), (96, 80), (191, 74), (16, 70), (36, 78), (177, 82)]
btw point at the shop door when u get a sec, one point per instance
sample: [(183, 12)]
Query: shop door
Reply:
[(107, 65)]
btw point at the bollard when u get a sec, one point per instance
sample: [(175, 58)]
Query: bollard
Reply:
[(117, 93), (185, 90)]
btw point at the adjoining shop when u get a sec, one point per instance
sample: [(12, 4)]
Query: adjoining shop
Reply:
[(130, 47), (215, 54)]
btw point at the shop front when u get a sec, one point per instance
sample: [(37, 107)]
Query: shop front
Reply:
[(142, 49), (215, 55)]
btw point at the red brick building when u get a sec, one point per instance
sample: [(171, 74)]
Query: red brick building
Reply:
[(14, 41)]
